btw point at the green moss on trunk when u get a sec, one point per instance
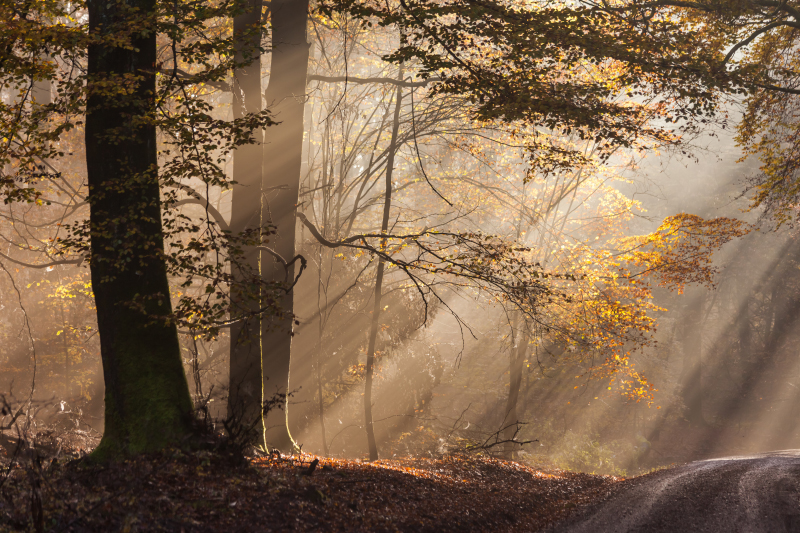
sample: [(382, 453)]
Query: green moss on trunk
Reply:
[(147, 398)]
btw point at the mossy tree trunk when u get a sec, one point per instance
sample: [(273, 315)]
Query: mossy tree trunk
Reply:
[(147, 402)]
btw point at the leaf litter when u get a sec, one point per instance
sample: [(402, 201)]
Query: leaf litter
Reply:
[(205, 492)]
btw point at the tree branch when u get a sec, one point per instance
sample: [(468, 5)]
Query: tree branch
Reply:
[(777, 88), (43, 265), (364, 81), (197, 198), (220, 220), (756, 33), (184, 76), (278, 257)]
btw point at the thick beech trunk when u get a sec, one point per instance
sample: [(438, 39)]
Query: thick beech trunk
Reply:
[(147, 402), (376, 309), (283, 150), (245, 393)]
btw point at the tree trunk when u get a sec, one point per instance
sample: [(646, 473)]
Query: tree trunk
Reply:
[(516, 358), (318, 352), (376, 309), (373, 334), (245, 393), (691, 375), (147, 402), (283, 150)]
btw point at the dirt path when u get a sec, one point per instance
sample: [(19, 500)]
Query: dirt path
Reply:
[(753, 494)]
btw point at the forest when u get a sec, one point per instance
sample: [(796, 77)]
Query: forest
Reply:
[(395, 265)]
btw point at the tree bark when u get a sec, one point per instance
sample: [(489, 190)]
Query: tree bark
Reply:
[(245, 394), (283, 150), (147, 402), (516, 358), (376, 309), (318, 351), (318, 362)]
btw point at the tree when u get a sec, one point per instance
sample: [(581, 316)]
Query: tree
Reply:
[(245, 389), (524, 64), (562, 186), (283, 149), (147, 397), (136, 113), (346, 186), (583, 105), (573, 85), (376, 307), (518, 350)]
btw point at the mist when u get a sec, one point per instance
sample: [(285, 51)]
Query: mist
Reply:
[(700, 367)]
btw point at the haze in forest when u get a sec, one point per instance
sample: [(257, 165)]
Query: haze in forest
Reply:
[(698, 362)]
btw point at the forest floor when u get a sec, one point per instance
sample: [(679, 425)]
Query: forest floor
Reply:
[(179, 492)]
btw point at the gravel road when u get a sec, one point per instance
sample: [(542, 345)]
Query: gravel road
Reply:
[(753, 494)]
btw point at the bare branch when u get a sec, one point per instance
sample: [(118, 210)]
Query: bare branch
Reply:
[(218, 218), (287, 264), (197, 198), (183, 76), (364, 81), (495, 440), (78, 261)]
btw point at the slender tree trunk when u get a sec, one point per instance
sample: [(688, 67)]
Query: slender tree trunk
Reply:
[(283, 151), (245, 393), (376, 309), (67, 388), (318, 363), (516, 358), (373, 333), (691, 375), (147, 402)]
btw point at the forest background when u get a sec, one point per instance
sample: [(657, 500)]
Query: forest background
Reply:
[(409, 229)]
